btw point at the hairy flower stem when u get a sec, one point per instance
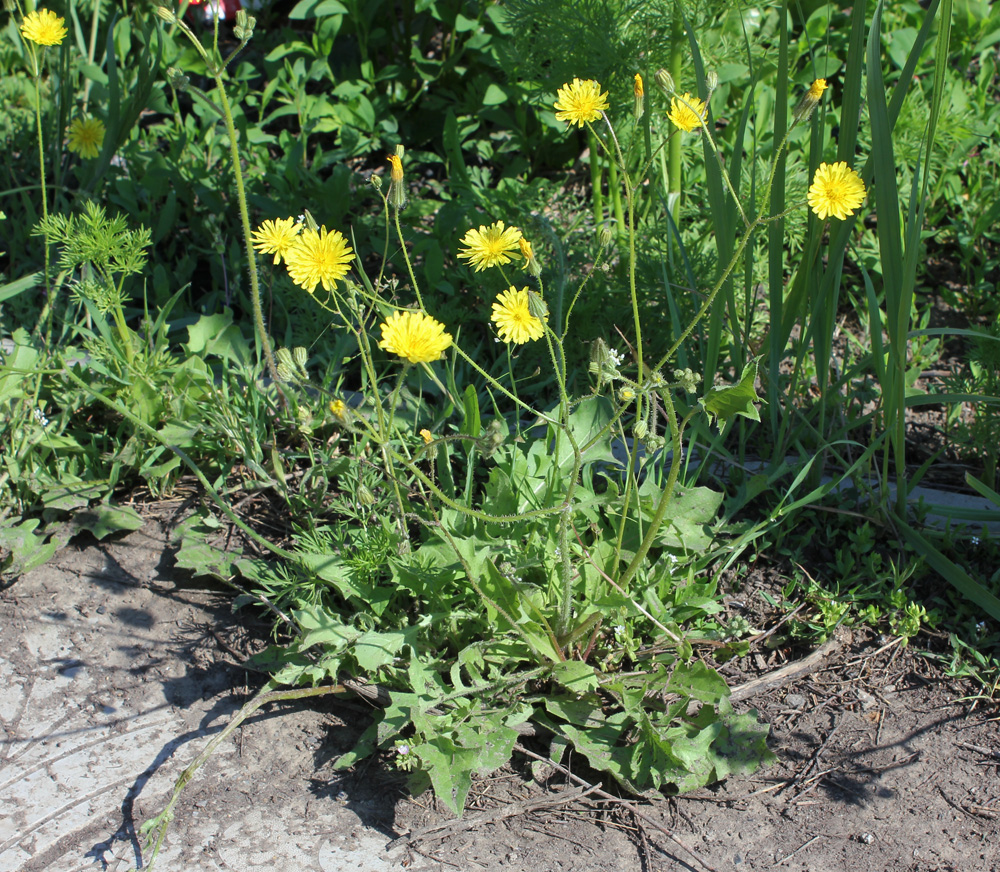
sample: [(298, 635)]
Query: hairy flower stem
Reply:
[(676, 432), (46, 316), (258, 312), (409, 266)]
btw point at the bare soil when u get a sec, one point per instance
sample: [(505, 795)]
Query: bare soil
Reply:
[(117, 671)]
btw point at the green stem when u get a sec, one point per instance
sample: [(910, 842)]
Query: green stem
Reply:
[(409, 266), (258, 312), (674, 168), (596, 181), (49, 307), (676, 431), (91, 50)]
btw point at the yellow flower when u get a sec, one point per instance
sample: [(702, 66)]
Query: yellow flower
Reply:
[(86, 136), (531, 265), (639, 106), (415, 336), (488, 246), (513, 318), (580, 102), (396, 164), (318, 257), (687, 112), (816, 89), (43, 27), (810, 100), (338, 408), (836, 190), (427, 436), (397, 193), (276, 237)]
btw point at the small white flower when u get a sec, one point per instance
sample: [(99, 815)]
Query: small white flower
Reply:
[(40, 417), (619, 629), (975, 540), (403, 750), (616, 356)]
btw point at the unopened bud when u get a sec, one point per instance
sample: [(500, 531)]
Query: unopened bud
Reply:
[(245, 24), (639, 93), (178, 81), (537, 307), (284, 366), (641, 429), (711, 81), (665, 81), (607, 236), (166, 14)]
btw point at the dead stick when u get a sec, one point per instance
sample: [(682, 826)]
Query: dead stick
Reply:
[(782, 676)]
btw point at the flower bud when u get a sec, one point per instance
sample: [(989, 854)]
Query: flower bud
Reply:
[(537, 307), (665, 81), (607, 236), (178, 81), (641, 429), (711, 81), (640, 94), (166, 14), (285, 367)]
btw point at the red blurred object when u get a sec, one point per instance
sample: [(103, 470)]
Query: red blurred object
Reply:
[(228, 8)]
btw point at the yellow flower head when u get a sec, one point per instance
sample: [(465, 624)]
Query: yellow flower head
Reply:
[(414, 336), (318, 257), (817, 88), (637, 86), (488, 246), (687, 112), (86, 136), (276, 237), (43, 27), (338, 408), (396, 164), (836, 190), (427, 436), (580, 102), (513, 318)]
